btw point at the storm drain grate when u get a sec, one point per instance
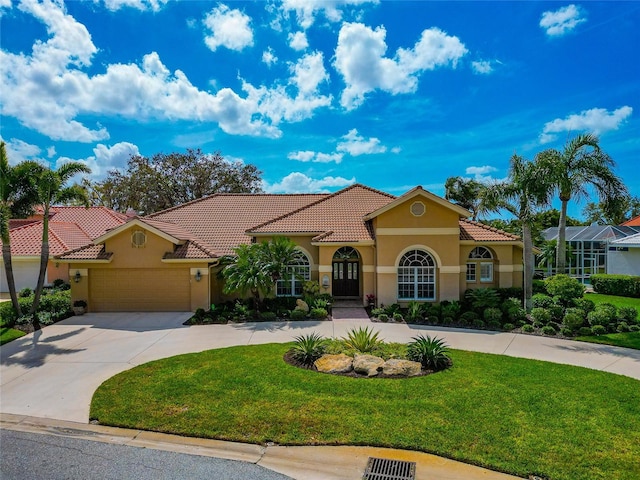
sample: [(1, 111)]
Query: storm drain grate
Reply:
[(385, 469)]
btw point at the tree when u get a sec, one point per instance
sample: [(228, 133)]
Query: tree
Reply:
[(464, 192), (522, 195), (17, 198), (614, 212), (166, 180), (579, 165), (52, 190), (257, 267)]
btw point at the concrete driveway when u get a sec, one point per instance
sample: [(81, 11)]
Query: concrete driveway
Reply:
[(53, 373)]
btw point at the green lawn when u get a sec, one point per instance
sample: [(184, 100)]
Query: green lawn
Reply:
[(8, 334), (509, 414), (614, 299), (628, 340)]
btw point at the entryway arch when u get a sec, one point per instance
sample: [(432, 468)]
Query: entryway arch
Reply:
[(346, 272)]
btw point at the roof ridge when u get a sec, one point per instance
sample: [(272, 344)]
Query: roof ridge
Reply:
[(488, 227), (79, 249), (320, 200)]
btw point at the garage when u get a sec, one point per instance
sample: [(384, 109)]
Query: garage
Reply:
[(139, 290)]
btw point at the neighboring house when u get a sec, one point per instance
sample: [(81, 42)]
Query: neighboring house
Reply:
[(590, 247), (357, 241), (623, 256), (69, 228), (634, 222)]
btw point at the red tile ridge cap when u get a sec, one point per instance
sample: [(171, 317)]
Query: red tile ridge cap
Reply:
[(320, 200)]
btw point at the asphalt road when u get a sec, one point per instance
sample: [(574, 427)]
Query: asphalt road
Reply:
[(26, 456)]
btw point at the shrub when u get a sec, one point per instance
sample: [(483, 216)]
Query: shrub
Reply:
[(297, 315), (494, 325), (80, 304), (548, 330), (629, 314), (310, 288), (58, 283), (541, 315), (585, 331), (467, 318), (318, 313), (623, 285), (447, 320), (414, 311), (510, 303), (397, 317), (566, 332), (481, 298), (527, 328), (572, 321), (477, 323), (268, 316), (540, 300), (634, 328), (199, 314), (557, 312), (599, 318), (391, 309), (584, 304), (576, 311), (25, 292), (376, 312), (538, 324), (432, 353), (309, 348), (451, 309), (510, 292), (622, 327), (598, 330), (517, 314), (565, 287), (507, 327), (492, 315), (321, 303), (383, 317), (362, 340), (539, 287), (433, 320)]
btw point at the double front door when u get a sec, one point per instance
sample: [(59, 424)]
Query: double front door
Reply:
[(346, 278)]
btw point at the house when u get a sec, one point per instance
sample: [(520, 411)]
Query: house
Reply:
[(357, 241), (634, 222), (591, 247), (623, 256), (69, 228)]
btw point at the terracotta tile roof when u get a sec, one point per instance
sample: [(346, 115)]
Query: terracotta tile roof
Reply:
[(336, 218), (169, 228), (190, 249), (479, 232), (20, 222), (219, 222), (93, 220), (88, 252), (634, 222)]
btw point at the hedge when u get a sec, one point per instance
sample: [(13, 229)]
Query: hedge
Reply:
[(622, 285)]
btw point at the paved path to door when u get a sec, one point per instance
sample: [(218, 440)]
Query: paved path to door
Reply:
[(54, 372)]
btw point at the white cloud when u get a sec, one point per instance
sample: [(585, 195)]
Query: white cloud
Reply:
[(309, 72), (51, 151), (482, 67), (315, 157), (396, 150), (19, 151), (307, 10), (105, 158), (360, 59), (356, 145), (5, 4), (562, 20), (229, 28), (482, 174), (297, 182), (269, 57), (153, 5), (298, 41), (596, 120)]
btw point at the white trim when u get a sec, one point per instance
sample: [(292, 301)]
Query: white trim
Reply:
[(306, 253), (429, 250), (450, 269), (506, 268), (137, 223), (417, 231), (419, 192), (325, 268), (368, 268), (360, 243), (189, 260), (86, 260), (383, 269), (518, 268)]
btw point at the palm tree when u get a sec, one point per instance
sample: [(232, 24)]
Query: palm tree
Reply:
[(464, 192), (17, 198), (246, 273), (579, 165), (278, 255), (522, 195), (52, 190)]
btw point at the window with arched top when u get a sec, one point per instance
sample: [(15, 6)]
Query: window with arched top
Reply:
[(296, 273), (417, 276), (480, 260)]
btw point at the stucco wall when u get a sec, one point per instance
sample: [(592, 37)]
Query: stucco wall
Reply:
[(624, 263)]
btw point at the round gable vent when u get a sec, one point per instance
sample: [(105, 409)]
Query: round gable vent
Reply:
[(138, 239), (417, 209)]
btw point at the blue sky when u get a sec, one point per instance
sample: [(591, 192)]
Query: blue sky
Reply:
[(321, 94)]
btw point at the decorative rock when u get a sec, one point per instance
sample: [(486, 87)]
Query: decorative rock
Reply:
[(334, 363), (302, 305), (368, 365), (405, 368)]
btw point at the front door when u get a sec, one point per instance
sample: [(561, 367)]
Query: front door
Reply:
[(346, 275)]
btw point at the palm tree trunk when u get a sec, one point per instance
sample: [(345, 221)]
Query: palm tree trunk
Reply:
[(11, 283), (528, 265), (44, 260), (561, 250)]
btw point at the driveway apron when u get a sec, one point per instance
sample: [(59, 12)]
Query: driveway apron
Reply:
[(54, 372)]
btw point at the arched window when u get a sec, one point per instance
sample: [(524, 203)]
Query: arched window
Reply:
[(417, 276), (290, 285), (480, 259)]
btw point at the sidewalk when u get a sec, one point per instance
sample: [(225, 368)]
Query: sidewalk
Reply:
[(303, 463)]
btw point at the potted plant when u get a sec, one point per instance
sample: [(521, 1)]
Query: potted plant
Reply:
[(79, 307), (371, 300)]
